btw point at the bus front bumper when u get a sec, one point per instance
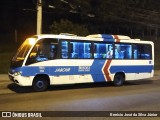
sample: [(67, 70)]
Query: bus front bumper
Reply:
[(21, 80)]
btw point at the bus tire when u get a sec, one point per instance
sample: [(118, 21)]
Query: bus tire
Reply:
[(40, 84), (118, 80)]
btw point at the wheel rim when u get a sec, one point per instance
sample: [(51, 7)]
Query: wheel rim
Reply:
[(119, 80), (40, 84)]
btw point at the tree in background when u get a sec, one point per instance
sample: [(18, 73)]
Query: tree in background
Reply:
[(66, 26)]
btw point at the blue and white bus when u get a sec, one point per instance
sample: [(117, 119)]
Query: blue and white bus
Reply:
[(44, 60)]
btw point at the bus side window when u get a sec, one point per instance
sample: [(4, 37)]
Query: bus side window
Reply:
[(123, 51), (103, 50), (74, 50), (45, 49), (64, 50), (142, 51), (80, 50)]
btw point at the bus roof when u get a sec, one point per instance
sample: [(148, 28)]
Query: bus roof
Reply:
[(94, 37), (109, 36)]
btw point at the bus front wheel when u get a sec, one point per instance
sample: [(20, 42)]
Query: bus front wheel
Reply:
[(40, 84), (119, 79)]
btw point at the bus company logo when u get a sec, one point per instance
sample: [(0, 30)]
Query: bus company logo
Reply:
[(6, 114), (63, 70), (84, 69), (21, 114)]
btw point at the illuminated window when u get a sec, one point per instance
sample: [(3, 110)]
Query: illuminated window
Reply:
[(80, 50), (123, 51), (103, 51), (64, 52)]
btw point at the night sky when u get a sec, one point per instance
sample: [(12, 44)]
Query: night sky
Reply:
[(20, 16), (135, 17), (17, 15)]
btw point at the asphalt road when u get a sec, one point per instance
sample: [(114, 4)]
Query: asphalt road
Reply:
[(142, 95)]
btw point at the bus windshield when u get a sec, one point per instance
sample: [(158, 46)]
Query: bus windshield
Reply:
[(23, 49)]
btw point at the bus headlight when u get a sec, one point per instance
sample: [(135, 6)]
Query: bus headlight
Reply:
[(17, 73)]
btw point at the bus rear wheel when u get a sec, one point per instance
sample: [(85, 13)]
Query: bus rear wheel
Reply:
[(118, 80), (40, 84)]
